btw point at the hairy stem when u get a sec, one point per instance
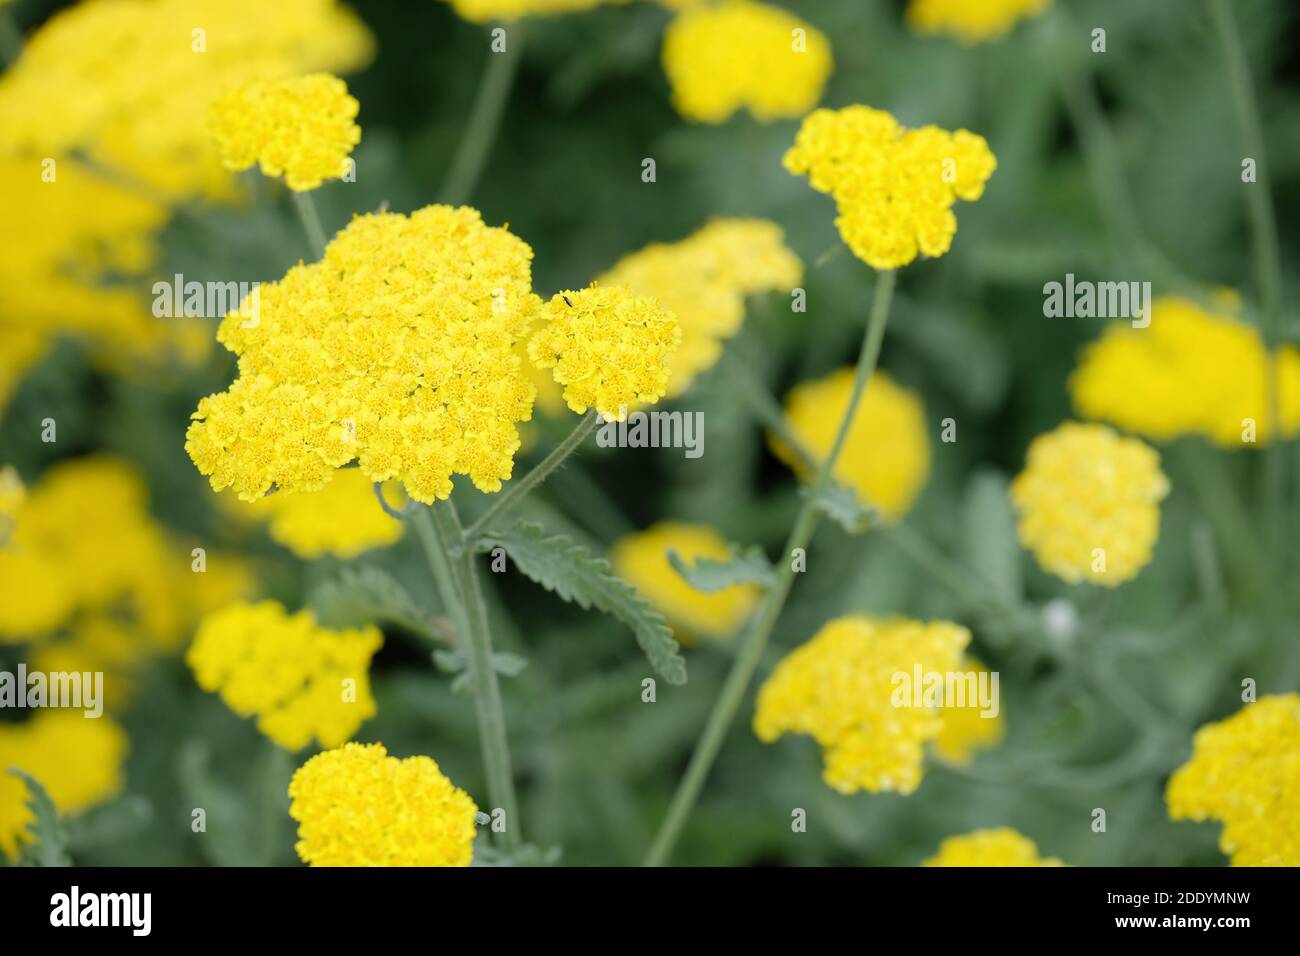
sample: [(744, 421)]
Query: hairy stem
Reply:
[(306, 207)]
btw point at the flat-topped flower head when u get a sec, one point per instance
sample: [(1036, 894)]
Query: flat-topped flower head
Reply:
[(839, 688), (608, 348), (642, 560), (298, 127), (1001, 846), (704, 280), (1089, 503), (1245, 773), (886, 457), (737, 55), (302, 681), (397, 350), (357, 806), (971, 21), (894, 187)]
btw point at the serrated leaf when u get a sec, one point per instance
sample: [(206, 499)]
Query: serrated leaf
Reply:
[(842, 506), (991, 546), (367, 595), (749, 566), (575, 574), (48, 845)]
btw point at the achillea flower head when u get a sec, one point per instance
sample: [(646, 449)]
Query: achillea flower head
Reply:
[(78, 761), (965, 729), (298, 127), (397, 350), (704, 280), (971, 21), (642, 560), (839, 688), (485, 11), (738, 54), (1089, 503), (894, 187), (1001, 846), (886, 457), (608, 348), (1245, 773), (1192, 371), (301, 680), (357, 806)]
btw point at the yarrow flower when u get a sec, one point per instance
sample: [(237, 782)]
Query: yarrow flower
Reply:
[(298, 127), (1001, 846), (738, 54), (1245, 773), (300, 679), (1089, 503), (894, 187), (839, 688), (397, 350), (485, 11), (971, 21), (886, 457), (77, 761), (642, 560), (1192, 371), (357, 806), (608, 348), (703, 280)]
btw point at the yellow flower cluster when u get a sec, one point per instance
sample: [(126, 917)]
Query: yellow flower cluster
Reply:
[(301, 680), (1245, 773), (357, 806), (298, 127), (642, 560), (704, 280), (77, 759), (155, 67), (485, 11), (608, 348), (396, 350), (12, 495), (893, 187), (971, 21), (1193, 371), (839, 689), (1001, 846), (85, 548), (343, 519), (738, 54), (1089, 503), (886, 456), (965, 728)]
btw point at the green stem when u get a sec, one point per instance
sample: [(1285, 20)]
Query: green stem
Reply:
[(457, 580), (518, 488), (751, 652), (485, 119), (765, 407), (306, 207)]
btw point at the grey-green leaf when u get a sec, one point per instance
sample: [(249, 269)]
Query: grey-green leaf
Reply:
[(992, 549), (748, 566), (842, 506), (367, 595), (49, 838)]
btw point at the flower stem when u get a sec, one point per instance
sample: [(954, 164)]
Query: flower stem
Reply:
[(440, 533), (306, 207), (485, 119), (517, 489), (751, 652)]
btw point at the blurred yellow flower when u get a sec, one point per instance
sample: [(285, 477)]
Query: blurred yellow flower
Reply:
[(703, 280), (1192, 371), (1089, 503), (886, 457), (78, 760), (301, 680), (1001, 846), (610, 349), (965, 729), (298, 127), (642, 560), (397, 350), (971, 21), (893, 187), (839, 688), (738, 54), (12, 495), (485, 11), (1245, 773), (357, 806)]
